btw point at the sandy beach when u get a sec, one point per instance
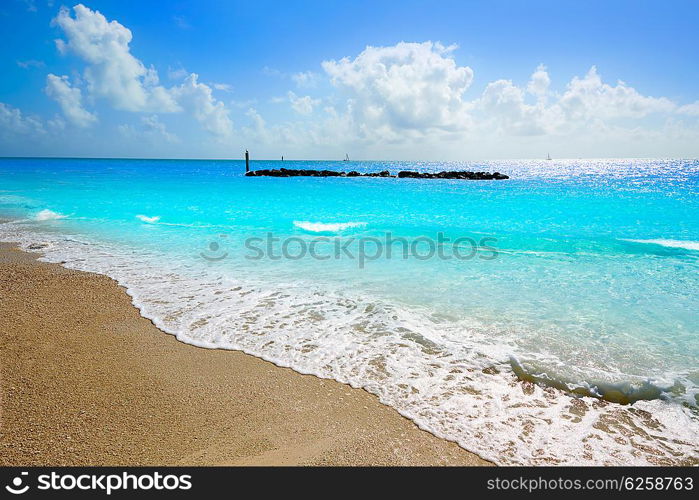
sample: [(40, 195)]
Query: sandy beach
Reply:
[(87, 381)]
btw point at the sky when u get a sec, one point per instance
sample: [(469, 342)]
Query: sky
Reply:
[(384, 80)]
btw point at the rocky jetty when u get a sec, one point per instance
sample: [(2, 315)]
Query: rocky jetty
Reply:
[(286, 172), (462, 174)]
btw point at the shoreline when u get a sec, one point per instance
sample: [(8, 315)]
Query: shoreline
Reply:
[(86, 380)]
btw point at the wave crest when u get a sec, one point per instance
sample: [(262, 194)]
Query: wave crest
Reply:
[(49, 215), (327, 227), (149, 220), (687, 245)]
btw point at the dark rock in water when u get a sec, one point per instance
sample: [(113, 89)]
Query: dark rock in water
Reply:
[(463, 174), (284, 172), (383, 173), (37, 246), (408, 174)]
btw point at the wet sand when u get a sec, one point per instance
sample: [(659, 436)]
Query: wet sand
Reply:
[(85, 380)]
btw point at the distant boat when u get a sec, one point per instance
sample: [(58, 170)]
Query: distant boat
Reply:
[(346, 157), (548, 156)]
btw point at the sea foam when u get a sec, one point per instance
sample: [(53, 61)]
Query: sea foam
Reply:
[(687, 245), (147, 219), (327, 227), (47, 214), (452, 378)]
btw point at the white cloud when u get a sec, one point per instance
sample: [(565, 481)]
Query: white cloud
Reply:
[(13, 122), (689, 109), (502, 108), (224, 87), (31, 63), (408, 100), (56, 124), (539, 82), (155, 128), (128, 131), (113, 72), (259, 127), (587, 103), (409, 87), (302, 105), (197, 98), (305, 79), (589, 97), (69, 99), (177, 73), (243, 104), (151, 129), (414, 91)]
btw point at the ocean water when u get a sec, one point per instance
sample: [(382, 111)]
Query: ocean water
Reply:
[(552, 318)]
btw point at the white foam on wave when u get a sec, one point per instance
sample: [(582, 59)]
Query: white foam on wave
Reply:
[(327, 227), (450, 377), (148, 220), (687, 245), (47, 214)]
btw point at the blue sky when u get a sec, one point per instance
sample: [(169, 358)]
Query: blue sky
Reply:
[(383, 80)]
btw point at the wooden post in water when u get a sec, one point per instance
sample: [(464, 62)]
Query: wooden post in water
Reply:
[(247, 161)]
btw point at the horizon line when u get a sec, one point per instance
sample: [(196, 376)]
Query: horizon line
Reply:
[(339, 161)]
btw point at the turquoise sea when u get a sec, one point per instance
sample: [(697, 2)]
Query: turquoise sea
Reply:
[(552, 318)]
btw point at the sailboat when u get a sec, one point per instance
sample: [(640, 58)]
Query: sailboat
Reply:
[(346, 157), (548, 156)]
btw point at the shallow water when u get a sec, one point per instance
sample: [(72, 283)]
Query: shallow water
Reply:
[(580, 295)]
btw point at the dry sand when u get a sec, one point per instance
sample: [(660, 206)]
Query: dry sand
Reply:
[(86, 380)]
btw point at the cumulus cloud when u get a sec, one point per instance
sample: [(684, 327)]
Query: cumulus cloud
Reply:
[(589, 97), (539, 82), (259, 126), (689, 109), (502, 108), (587, 102), (177, 73), (410, 98), (114, 74), (13, 122), (305, 79), (197, 98), (302, 105), (406, 87), (69, 98), (393, 100), (153, 126), (416, 91)]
